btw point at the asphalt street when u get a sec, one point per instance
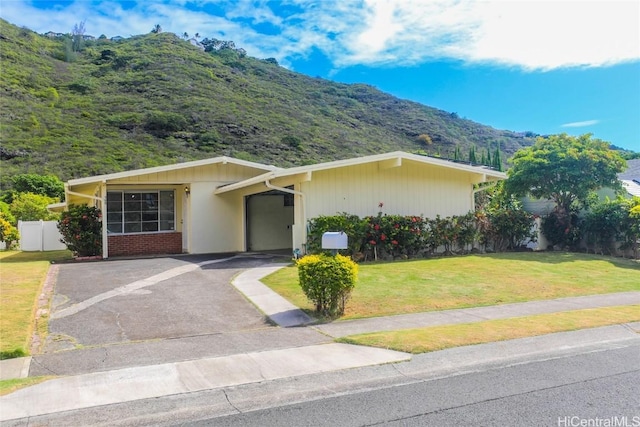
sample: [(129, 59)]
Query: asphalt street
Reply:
[(561, 392)]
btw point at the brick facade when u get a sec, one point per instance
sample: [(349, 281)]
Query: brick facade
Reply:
[(145, 244)]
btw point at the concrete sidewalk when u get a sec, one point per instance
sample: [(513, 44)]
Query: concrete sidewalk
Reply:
[(123, 385)]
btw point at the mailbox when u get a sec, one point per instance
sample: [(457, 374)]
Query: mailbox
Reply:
[(334, 240)]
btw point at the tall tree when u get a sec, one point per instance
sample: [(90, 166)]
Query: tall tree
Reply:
[(157, 29), (564, 169), (497, 159), (472, 155), (78, 36), (46, 185)]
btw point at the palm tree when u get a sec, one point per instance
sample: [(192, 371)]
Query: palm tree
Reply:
[(157, 29), (185, 35)]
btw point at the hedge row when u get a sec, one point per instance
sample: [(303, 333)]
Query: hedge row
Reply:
[(397, 236)]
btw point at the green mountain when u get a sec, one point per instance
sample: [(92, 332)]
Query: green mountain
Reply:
[(75, 108)]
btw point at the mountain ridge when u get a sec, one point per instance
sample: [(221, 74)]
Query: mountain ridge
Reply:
[(102, 106)]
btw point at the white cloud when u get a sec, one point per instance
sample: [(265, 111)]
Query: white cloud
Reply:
[(531, 34), (580, 124)]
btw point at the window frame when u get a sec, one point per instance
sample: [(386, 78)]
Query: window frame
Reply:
[(122, 212)]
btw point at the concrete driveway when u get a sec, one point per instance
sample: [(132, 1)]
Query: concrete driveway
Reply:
[(120, 313)]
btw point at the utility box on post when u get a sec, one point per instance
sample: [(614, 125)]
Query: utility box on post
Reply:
[(334, 240)]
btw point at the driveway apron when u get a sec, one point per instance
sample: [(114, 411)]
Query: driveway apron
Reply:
[(132, 312)]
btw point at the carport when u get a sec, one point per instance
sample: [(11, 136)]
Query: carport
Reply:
[(269, 221)]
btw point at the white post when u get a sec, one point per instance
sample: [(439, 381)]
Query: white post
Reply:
[(103, 210)]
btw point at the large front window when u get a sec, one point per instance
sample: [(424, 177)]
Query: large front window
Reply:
[(140, 211)]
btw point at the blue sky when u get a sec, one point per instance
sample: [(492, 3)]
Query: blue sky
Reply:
[(543, 66)]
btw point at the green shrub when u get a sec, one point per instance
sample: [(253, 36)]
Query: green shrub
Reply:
[(351, 225), (327, 281), (81, 230), (562, 229)]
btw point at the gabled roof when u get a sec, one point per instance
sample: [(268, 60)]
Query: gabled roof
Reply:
[(175, 166), (397, 156), (632, 172), (631, 186)]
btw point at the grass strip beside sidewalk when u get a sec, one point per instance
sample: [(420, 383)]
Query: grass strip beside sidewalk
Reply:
[(422, 340)]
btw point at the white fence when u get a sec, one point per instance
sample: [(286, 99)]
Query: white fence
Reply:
[(40, 236)]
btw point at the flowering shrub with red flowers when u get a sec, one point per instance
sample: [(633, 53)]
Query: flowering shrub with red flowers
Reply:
[(563, 229), (397, 236), (394, 235), (81, 230)]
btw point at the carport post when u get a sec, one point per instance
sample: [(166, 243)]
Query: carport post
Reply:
[(103, 208)]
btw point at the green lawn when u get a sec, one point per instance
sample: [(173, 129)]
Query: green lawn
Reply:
[(421, 340), (22, 275), (469, 281)]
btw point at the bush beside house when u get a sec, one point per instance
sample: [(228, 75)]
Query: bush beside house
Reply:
[(81, 230)]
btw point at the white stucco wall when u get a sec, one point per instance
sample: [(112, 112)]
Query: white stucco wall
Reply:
[(217, 223)]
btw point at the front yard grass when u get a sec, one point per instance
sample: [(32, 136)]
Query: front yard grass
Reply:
[(414, 286), (422, 340), (22, 275)]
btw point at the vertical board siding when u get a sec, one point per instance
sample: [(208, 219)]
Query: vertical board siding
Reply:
[(218, 173), (404, 190)]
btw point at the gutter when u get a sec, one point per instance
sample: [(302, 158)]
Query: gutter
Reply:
[(483, 188), (303, 204)]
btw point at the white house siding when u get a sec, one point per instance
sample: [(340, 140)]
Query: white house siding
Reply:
[(405, 190)]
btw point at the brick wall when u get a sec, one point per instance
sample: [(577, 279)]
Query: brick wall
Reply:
[(145, 244)]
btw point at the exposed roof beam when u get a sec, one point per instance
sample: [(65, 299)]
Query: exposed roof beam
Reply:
[(390, 163)]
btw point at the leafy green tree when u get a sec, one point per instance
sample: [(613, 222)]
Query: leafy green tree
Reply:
[(5, 210), (564, 169), (157, 29), (46, 185), (32, 207), (8, 232)]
